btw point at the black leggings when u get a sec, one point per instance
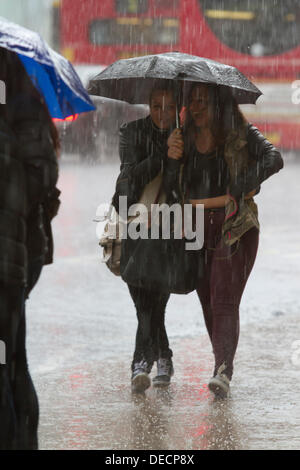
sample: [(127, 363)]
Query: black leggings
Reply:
[(151, 336)]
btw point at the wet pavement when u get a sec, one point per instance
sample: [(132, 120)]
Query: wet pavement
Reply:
[(90, 405), (81, 328)]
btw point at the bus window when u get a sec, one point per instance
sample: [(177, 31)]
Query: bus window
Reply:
[(166, 4), (127, 7), (131, 31), (252, 27)]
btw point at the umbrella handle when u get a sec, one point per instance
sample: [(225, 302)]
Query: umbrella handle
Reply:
[(178, 91), (177, 116)]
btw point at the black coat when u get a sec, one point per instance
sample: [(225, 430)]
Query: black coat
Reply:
[(266, 161), (143, 154), (28, 174), (13, 210)]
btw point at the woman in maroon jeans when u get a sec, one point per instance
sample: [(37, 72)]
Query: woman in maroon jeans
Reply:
[(225, 161)]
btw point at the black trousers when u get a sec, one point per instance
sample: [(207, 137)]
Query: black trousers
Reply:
[(19, 410), (151, 336), (11, 308)]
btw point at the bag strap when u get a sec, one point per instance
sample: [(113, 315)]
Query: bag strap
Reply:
[(159, 190), (156, 199), (181, 170)]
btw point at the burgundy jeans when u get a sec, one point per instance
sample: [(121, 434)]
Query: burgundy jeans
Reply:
[(226, 271)]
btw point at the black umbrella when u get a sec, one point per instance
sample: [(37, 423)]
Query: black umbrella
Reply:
[(132, 79)]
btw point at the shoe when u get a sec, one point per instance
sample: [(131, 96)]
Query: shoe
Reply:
[(219, 384), (165, 371), (140, 379)]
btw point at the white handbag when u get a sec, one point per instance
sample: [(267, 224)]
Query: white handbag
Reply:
[(111, 238)]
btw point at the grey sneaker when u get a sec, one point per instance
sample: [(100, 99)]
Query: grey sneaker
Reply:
[(165, 371), (219, 384), (140, 379)]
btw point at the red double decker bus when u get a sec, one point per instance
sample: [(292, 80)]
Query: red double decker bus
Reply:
[(260, 37)]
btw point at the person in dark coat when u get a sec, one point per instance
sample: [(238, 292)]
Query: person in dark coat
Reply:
[(143, 149), (227, 160), (28, 176)]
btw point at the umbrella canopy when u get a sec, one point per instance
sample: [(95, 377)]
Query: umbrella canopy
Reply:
[(53, 75), (131, 79)]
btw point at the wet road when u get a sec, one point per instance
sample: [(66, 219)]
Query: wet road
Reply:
[(90, 406), (81, 327)]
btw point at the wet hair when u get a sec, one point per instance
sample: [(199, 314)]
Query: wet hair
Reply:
[(226, 113), (167, 86), (17, 81)]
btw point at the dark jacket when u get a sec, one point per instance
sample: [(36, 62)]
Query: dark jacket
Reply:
[(251, 159), (143, 154), (261, 161), (13, 210), (28, 174), (50, 209)]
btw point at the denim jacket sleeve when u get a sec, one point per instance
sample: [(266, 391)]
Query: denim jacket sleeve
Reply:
[(265, 161)]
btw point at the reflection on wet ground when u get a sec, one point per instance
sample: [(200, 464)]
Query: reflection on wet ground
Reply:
[(88, 414), (155, 425), (91, 406)]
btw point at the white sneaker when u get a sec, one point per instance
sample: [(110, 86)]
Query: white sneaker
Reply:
[(140, 379), (219, 384), (165, 371)]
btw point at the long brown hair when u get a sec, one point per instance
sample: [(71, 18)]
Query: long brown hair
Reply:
[(226, 114)]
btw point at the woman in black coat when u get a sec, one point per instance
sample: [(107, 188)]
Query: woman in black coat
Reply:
[(143, 152), (28, 176)]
